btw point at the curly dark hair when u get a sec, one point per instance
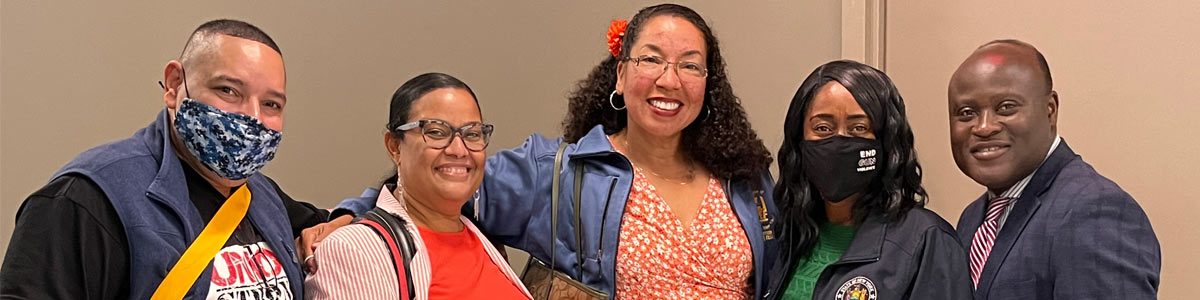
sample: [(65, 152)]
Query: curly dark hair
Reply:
[(721, 138), (896, 189)]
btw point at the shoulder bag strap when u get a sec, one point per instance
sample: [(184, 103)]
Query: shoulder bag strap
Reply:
[(210, 241), (558, 157), (399, 241)]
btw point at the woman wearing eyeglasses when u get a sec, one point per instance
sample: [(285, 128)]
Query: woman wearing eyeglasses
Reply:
[(436, 138), (671, 198)]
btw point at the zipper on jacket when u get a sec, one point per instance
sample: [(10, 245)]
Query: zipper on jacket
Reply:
[(853, 261), (612, 184)]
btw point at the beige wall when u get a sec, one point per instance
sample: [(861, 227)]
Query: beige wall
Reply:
[(76, 75), (1125, 72)]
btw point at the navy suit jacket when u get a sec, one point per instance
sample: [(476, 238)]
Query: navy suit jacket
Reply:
[(1073, 234)]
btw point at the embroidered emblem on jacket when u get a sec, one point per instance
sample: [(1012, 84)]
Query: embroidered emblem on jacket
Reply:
[(857, 288)]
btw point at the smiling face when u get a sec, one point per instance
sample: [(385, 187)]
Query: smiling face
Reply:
[(1002, 115), (447, 176), (663, 105)]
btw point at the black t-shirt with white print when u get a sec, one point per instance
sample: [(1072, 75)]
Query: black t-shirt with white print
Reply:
[(246, 268)]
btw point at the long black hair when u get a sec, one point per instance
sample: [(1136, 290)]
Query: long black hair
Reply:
[(897, 188), (721, 138), (408, 93)]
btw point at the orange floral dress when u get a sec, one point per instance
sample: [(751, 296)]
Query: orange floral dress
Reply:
[(657, 258)]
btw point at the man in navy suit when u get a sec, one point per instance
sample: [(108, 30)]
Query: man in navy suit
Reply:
[(1049, 226)]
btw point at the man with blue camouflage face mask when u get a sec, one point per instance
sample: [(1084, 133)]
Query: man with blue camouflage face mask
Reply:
[(115, 221)]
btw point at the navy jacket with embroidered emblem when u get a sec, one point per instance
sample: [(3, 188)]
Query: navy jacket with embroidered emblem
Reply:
[(916, 258), (1073, 234), (149, 194)]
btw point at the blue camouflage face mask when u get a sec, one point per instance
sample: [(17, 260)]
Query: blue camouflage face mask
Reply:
[(234, 146)]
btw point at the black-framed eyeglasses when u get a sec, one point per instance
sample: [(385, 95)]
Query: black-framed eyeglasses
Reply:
[(655, 66), (438, 134)]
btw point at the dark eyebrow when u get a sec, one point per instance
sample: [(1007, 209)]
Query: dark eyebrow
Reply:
[(828, 116), (228, 78), (1001, 97), (480, 122), (655, 48), (240, 83), (858, 117), (824, 116), (691, 52), (278, 94)]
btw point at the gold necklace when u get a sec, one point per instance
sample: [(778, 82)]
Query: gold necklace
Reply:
[(687, 179)]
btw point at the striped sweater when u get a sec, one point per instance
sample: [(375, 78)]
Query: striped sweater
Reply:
[(354, 263)]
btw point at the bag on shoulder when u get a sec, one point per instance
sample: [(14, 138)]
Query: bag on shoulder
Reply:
[(400, 245), (542, 281)]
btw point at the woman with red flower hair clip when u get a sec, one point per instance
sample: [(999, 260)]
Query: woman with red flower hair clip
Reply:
[(671, 174)]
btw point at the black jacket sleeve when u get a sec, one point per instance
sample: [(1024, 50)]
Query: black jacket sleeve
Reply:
[(301, 214), (68, 243), (942, 271)]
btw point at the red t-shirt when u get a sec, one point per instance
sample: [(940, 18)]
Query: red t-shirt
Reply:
[(461, 268)]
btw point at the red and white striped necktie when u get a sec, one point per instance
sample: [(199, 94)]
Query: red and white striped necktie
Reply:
[(981, 244)]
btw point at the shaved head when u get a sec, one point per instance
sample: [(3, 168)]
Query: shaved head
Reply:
[(201, 43), (1041, 59)]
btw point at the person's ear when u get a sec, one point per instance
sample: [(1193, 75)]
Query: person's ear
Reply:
[(620, 87), (172, 83), (1052, 108), (392, 143)]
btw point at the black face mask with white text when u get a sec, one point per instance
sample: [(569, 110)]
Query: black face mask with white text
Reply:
[(840, 166)]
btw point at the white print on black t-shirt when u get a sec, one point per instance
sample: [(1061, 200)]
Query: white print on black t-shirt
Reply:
[(248, 272)]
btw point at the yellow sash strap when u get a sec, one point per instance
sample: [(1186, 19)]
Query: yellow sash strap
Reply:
[(183, 275)]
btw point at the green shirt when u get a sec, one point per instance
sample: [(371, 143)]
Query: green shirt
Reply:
[(833, 241)]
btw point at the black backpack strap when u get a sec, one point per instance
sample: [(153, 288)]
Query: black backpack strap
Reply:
[(400, 243)]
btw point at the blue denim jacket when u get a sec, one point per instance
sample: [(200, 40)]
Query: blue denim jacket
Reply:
[(512, 206)]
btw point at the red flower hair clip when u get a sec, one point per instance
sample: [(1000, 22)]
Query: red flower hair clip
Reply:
[(616, 33)]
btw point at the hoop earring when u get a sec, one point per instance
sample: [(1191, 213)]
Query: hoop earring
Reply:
[(610, 101), (707, 111)]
